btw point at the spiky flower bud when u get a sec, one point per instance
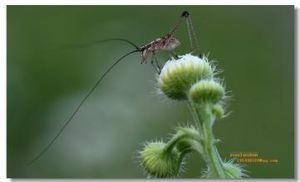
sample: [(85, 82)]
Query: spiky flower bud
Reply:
[(231, 171), (177, 76), (207, 91), (159, 162), (218, 111)]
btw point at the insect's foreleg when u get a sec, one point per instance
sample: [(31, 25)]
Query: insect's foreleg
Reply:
[(155, 64), (158, 66)]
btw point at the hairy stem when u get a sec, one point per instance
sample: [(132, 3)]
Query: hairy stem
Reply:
[(211, 156)]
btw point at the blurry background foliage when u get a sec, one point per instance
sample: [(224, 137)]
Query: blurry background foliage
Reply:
[(46, 80)]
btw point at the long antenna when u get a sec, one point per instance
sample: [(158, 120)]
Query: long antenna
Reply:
[(79, 106), (102, 41)]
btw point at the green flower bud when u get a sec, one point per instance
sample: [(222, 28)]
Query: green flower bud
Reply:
[(177, 76), (218, 111), (188, 130), (207, 91), (233, 170), (159, 162)]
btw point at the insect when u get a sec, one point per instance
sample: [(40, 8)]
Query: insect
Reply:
[(165, 43)]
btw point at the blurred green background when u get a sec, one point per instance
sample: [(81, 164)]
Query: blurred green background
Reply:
[(253, 45)]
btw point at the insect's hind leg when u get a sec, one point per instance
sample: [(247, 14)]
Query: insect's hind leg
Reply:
[(173, 54)]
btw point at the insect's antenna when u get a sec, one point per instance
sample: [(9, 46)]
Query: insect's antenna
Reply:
[(179, 21), (192, 35), (79, 106), (105, 40)]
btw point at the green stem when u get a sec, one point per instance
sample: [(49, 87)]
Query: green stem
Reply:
[(212, 157), (170, 145), (216, 164), (195, 116)]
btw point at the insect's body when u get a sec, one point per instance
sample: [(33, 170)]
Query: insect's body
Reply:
[(168, 43)]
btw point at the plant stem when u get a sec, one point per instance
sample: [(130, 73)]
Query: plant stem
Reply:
[(212, 157)]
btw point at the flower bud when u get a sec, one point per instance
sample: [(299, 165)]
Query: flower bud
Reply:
[(207, 91), (218, 111), (159, 162), (177, 76), (233, 170)]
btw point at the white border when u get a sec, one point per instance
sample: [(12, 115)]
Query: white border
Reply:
[(146, 2), (3, 65), (3, 93), (296, 90)]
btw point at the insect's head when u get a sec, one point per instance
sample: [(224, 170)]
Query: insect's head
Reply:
[(172, 43)]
